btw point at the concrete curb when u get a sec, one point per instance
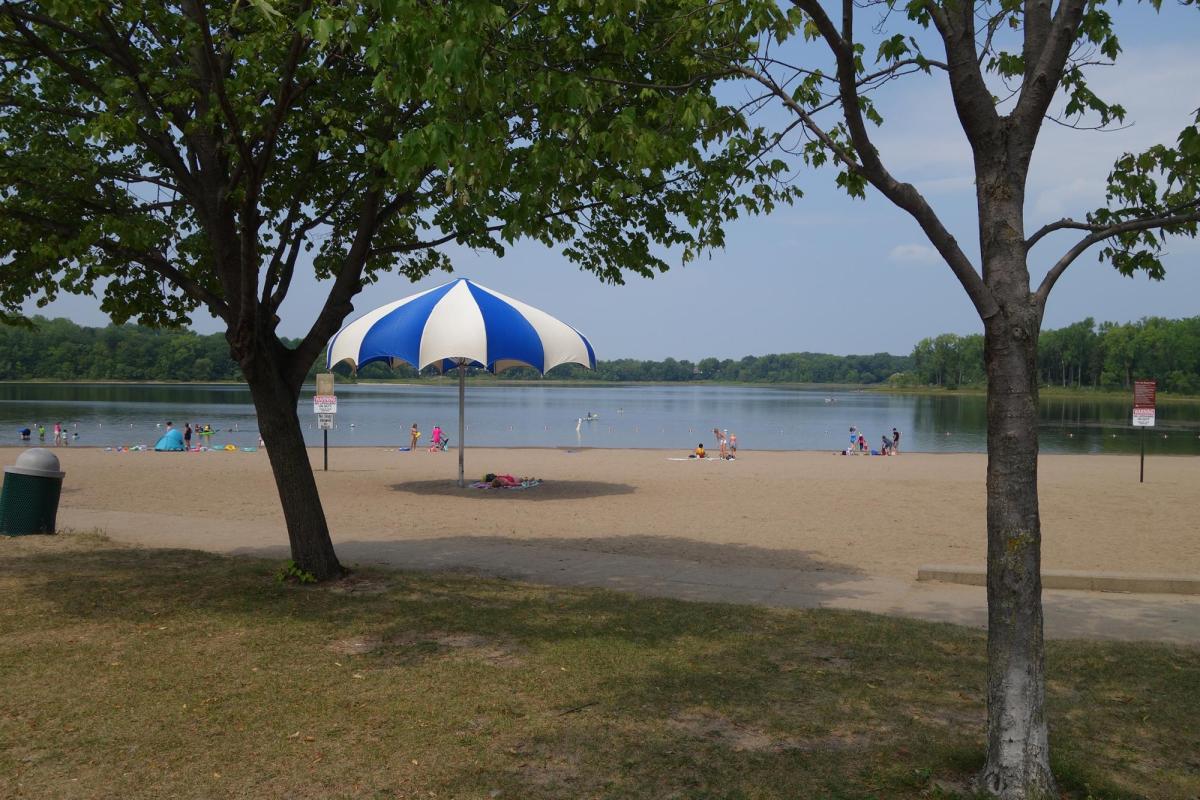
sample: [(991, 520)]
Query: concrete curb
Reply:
[(1072, 579)]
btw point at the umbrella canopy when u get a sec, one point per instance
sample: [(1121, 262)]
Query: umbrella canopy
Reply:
[(457, 323), (460, 324)]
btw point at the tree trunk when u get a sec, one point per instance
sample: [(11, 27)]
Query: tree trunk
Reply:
[(275, 402), (1018, 765)]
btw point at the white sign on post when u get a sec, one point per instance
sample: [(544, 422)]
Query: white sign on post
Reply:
[(324, 404), (1143, 418), (324, 422)]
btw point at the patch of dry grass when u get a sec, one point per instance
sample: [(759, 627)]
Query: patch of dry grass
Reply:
[(148, 674)]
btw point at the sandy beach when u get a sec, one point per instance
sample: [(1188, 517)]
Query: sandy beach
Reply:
[(795, 510)]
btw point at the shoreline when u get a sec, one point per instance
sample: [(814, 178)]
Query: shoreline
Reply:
[(1047, 392)]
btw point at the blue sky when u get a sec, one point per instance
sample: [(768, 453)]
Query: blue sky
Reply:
[(835, 275)]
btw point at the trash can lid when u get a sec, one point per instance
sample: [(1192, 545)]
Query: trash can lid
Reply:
[(37, 461)]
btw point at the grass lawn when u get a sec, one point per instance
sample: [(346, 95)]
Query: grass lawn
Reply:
[(133, 673)]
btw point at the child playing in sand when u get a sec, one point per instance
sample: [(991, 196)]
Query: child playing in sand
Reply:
[(699, 451)]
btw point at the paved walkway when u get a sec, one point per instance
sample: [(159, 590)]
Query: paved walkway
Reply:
[(1069, 614)]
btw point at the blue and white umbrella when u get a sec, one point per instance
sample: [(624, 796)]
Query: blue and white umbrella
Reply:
[(460, 324)]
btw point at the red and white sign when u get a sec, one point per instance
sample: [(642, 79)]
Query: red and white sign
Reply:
[(1144, 396), (324, 404)]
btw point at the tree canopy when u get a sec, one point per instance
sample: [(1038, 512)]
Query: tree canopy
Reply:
[(168, 156)]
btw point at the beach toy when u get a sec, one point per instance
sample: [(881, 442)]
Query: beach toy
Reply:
[(231, 448), (249, 449)]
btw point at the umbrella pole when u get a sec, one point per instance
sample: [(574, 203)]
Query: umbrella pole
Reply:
[(462, 391)]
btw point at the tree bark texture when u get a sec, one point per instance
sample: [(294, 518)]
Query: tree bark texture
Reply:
[(1018, 757), (275, 399), (1018, 763)]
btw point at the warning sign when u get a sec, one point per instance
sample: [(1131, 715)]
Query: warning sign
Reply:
[(1144, 396)]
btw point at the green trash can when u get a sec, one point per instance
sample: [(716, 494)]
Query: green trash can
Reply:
[(29, 499)]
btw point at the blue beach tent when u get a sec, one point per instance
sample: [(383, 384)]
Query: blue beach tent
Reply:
[(172, 440)]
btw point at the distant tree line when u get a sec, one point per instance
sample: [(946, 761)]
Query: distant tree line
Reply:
[(58, 349), (773, 368), (1108, 355)]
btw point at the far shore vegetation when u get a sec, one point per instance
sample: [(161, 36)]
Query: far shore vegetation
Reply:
[(1079, 360), (139, 673)]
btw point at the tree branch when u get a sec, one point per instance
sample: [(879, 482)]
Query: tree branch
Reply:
[(150, 259), (158, 263), (1042, 76), (279, 274), (1066, 223), (972, 97), (904, 195), (1043, 291), (159, 143), (216, 79), (346, 284)]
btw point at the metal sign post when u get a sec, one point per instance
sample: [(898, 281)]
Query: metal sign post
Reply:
[(1144, 396), (325, 406)]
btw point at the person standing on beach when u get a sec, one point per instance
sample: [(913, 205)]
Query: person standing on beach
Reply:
[(41, 429), (895, 442), (435, 438), (853, 441), (732, 439), (57, 434), (414, 434), (721, 443), (187, 436)]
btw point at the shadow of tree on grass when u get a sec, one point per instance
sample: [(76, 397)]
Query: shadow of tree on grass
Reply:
[(609, 695)]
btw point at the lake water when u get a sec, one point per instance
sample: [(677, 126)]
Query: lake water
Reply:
[(542, 415)]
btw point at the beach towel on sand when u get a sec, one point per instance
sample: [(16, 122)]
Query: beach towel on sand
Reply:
[(515, 484)]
